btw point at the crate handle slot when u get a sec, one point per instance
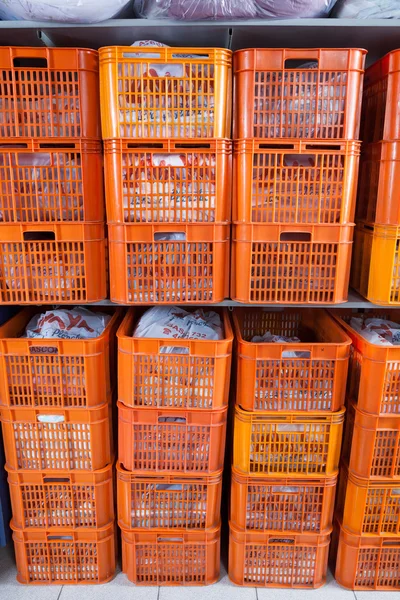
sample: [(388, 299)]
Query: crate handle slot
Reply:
[(57, 146), (174, 350), (51, 418), (288, 427), (396, 492), (169, 487), (393, 543), (190, 56), (295, 236), (281, 541), (193, 146), (132, 145), (172, 419), (169, 539), (57, 479), (331, 147), (30, 62), (5, 146), (298, 63), (276, 146), (289, 353), (285, 489), (60, 537), (165, 236), (39, 236)]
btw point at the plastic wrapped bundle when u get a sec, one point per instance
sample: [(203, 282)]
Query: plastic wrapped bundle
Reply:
[(62, 11), (367, 9), (232, 9)]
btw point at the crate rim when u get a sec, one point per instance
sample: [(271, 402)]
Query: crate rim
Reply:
[(276, 479), (287, 309), (213, 478), (301, 416)]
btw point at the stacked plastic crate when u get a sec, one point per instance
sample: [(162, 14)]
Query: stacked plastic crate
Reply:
[(296, 122), (376, 265), (54, 394), (52, 230), (166, 119), (55, 398), (286, 445), (366, 545), (173, 397)]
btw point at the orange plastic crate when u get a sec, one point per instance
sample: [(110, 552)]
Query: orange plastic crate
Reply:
[(43, 181), (295, 182), (52, 263), (380, 118), (55, 373), (282, 505), (49, 92), (164, 557), (175, 502), (57, 557), (367, 507), (196, 376), (371, 445), (269, 375), (49, 439), (366, 562), (277, 96), (171, 441), (291, 264), (378, 190), (374, 371), (158, 93), (286, 444), (266, 560), (69, 500), (147, 182), (148, 269)]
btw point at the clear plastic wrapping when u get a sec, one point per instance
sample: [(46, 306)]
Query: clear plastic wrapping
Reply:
[(187, 10), (62, 11)]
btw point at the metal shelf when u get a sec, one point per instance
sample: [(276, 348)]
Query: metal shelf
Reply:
[(378, 36), (355, 301)]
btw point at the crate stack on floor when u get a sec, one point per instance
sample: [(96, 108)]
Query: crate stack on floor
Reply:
[(173, 396), (166, 118), (52, 200), (295, 127), (376, 265), (166, 121), (54, 393), (366, 539), (286, 444), (55, 403)]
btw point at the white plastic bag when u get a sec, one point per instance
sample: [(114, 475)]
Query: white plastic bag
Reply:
[(367, 9), (62, 11), (74, 324), (177, 323), (377, 331)]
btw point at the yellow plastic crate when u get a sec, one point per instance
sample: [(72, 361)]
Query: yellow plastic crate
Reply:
[(376, 263), (287, 443)]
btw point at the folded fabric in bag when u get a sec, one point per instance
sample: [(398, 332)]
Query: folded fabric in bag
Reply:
[(177, 323), (73, 324), (377, 331)]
